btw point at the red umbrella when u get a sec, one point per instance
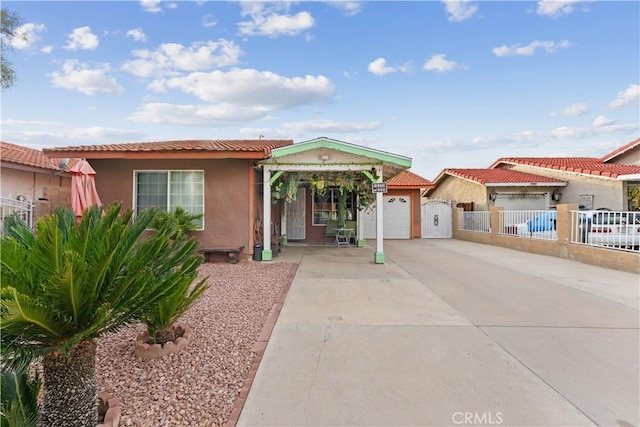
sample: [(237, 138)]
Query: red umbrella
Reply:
[(83, 187)]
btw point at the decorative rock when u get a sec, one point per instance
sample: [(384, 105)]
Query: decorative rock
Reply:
[(145, 350), (109, 410)]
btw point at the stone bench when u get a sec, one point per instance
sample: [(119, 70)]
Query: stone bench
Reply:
[(233, 252)]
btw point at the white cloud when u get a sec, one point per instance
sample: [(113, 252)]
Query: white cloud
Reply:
[(82, 38), (208, 21), (137, 34), (26, 35), (629, 96), (350, 8), (587, 132), (150, 5), (460, 10), (55, 134), (330, 126), (248, 87), (170, 58), (78, 76), (602, 121), (197, 115), (379, 67), (47, 49), (171, 5), (438, 62), (530, 49), (266, 20), (573, 110), (557, 8)]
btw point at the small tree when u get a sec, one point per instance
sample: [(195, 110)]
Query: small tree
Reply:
[(10, 23), (67, 284)]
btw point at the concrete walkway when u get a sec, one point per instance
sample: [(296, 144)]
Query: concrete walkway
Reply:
[(449, 333)]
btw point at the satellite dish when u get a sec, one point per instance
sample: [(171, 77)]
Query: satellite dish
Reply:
[(63, 163), (62, 166)]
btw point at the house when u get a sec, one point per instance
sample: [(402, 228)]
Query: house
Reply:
[(31, 180), (592, 183), (481, 189), (239, 185), (530, 183)]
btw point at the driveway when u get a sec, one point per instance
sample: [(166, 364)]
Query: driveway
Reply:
[(450, 333)]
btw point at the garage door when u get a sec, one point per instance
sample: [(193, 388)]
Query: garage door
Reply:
[(397, 219)]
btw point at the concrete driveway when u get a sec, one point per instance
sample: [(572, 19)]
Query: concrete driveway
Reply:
[(450, 333)]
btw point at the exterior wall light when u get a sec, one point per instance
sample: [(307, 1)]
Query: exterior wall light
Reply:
[(493, 195), (556, 196)]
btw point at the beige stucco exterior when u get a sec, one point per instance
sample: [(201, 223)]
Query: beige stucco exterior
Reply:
[(607, 192), (33, 183)]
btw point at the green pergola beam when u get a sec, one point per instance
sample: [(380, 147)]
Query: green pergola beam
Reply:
[(275, 176)]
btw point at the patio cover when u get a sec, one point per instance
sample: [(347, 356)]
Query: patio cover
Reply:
[(330, 155)]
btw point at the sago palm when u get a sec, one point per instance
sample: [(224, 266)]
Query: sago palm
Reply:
[(67, 284)]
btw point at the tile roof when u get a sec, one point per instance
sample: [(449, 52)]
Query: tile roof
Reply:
[(583, 165), (618, 151), (25, 156), (407, 179), (263, 146), (497, 176)]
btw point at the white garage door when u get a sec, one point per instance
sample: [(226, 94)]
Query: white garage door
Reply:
[(397, 219)]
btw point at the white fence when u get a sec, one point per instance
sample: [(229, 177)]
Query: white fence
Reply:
[(609, 229), (534, 224), (23, 209), (479, 221)]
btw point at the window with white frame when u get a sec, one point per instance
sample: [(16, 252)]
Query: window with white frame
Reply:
[(166, 190)]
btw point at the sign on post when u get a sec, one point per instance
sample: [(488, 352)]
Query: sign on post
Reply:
[(379, 187)]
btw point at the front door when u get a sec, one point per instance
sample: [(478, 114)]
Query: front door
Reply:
[(296, 217)]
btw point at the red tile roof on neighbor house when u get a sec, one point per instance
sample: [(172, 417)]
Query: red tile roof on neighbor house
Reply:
[(582, 165), (617, 152), (496, 177), (25, 156), (407, 179), (262, 148)]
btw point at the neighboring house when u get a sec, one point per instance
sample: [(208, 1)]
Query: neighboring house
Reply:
[(28, 175), (526, 183), (481, 189), (592, 183), (230, 182)]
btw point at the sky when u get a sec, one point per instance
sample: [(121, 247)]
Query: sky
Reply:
[(451, 84)]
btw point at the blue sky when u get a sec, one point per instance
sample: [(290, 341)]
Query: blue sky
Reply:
[(448, 83)]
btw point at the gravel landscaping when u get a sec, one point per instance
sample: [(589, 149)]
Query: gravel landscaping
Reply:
[(199, 385)]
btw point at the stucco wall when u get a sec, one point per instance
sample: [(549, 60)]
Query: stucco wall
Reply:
[(561, 248), (227, 219), (34, 185), (459, 190), (631, 157), (608, 193)]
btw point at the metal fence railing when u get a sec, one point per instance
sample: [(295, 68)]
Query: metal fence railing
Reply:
[(534, 224), (479, 221), (23, 210), (609, 229)]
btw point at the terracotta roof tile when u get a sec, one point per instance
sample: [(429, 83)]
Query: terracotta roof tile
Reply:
[(259, 146), (26, 156), (497, 176), (583, 165), (407, 179), (615, 153)]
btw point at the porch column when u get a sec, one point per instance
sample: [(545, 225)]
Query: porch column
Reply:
[(267, 255), (379, 255)]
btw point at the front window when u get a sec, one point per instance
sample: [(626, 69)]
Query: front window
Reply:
[(325, 207), (166, 190)]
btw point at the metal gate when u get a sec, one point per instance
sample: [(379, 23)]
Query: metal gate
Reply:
[(296, 217), (436, 219)]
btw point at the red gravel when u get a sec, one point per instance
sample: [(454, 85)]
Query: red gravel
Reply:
[(198, 386)]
